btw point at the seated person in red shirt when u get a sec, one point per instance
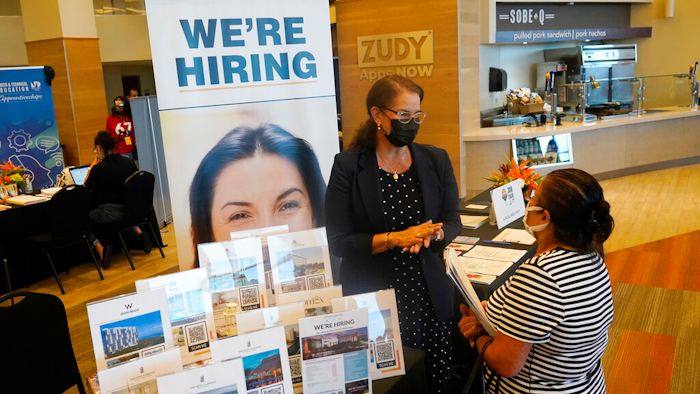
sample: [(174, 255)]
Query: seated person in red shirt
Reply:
[(105, 179)]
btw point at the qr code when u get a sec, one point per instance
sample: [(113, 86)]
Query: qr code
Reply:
[(249, 296), (295, 366), (384, 351), (196, 333), (316, 282), (273, 390)]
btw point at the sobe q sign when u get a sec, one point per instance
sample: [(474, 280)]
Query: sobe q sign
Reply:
[(268, 32)]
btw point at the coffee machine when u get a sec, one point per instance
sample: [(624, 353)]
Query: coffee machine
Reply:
[(590, 79)]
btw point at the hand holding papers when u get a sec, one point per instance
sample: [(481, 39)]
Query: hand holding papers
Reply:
[(459, 277)]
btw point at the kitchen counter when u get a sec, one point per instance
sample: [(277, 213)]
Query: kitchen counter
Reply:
[(620, 146), (522, 131)]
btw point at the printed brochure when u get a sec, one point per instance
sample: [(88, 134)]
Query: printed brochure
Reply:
[(218, 378), (335, 353), (316, 302), (189, 305), (281, 315), (129, 327), (264, 356), (236, 280), (263, 233), (386, 350), (139, 376), (300, 261)]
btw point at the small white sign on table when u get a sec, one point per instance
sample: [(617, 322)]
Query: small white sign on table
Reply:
[(508, 203)]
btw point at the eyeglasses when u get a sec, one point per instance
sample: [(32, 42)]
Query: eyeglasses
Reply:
[(405, 117)]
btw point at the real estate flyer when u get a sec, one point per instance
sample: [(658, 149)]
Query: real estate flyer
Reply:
[(129, 327), (335, 353), (316, 302), (300, 261), (189, 305), (263, 233), (264, 356), (236, 279), (281, 315), (386, 350), (218, 378), (139, 376)]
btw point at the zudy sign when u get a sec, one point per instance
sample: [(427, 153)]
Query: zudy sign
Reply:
[(410, 52)]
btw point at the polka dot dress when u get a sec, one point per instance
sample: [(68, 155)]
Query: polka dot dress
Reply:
[(403, 205)]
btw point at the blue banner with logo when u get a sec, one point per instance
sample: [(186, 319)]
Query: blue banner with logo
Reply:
[(28, 133)]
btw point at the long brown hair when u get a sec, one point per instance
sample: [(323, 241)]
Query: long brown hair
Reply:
[(382, 95)]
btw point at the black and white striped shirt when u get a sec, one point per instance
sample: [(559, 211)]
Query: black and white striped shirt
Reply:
[(561, 302)]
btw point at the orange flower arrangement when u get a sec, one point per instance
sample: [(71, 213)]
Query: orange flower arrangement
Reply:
[(12, 174), (511, 170)]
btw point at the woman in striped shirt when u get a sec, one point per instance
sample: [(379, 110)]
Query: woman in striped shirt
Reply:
[(552, 316)]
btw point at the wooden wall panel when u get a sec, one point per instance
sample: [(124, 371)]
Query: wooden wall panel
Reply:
[(51, 53), (87, 87), (78, 92), (441, 102)]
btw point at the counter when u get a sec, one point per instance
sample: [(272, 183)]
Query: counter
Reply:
[(611, 148)]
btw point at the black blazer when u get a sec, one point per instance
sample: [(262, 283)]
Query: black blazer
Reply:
[(354, 216)]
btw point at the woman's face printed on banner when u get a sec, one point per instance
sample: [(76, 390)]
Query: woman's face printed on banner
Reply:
[(261, 191)]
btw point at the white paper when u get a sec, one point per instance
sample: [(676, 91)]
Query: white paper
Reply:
[(460, 247), (259, 350), (263, 233), (493, 253), (508, 203), (386, 349), (316, 302), (236, 280), (300, 261), (473, 221), (481, 266), (476, 206), (335, 352), (191, 315), (516, 236), (220, 378), (281, 315), (129, 327), (480, 278), (465, 287), (139, 376)]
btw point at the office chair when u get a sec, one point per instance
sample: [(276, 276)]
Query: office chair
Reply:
[(37, 350), (70, 221), (138, 208)]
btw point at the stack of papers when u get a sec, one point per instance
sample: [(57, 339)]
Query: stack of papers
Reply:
[(50, 191), (25, 199), (482, 264), (515, 236), (473, 222), (461, 279)]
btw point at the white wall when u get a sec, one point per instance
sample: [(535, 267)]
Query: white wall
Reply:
[(123, 38), (113, 79), (13, 52)]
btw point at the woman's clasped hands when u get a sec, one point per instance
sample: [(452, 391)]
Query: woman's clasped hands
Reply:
[(415, 237)]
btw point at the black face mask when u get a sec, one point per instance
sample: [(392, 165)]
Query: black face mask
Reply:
[(402, 134)]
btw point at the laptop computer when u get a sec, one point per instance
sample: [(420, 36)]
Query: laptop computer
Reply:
[(78, 174)]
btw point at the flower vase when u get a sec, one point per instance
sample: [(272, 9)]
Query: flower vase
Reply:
[(12, 190)]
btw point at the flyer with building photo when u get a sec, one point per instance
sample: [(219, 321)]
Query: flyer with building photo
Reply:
[(335, 353), (139, 376), (236, 280), (300, 261), (386, 350), (129, 327), (263, 233), (190, 309), (264, 356), (286, 316), (218, 378), (316, 302)]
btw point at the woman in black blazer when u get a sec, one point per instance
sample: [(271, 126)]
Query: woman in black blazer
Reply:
[(391, 207)]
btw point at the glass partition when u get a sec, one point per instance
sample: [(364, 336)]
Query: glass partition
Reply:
[(665, 91)]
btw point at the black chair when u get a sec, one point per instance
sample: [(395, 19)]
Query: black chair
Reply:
[(35, 340), (138, 208), (70, 223)]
